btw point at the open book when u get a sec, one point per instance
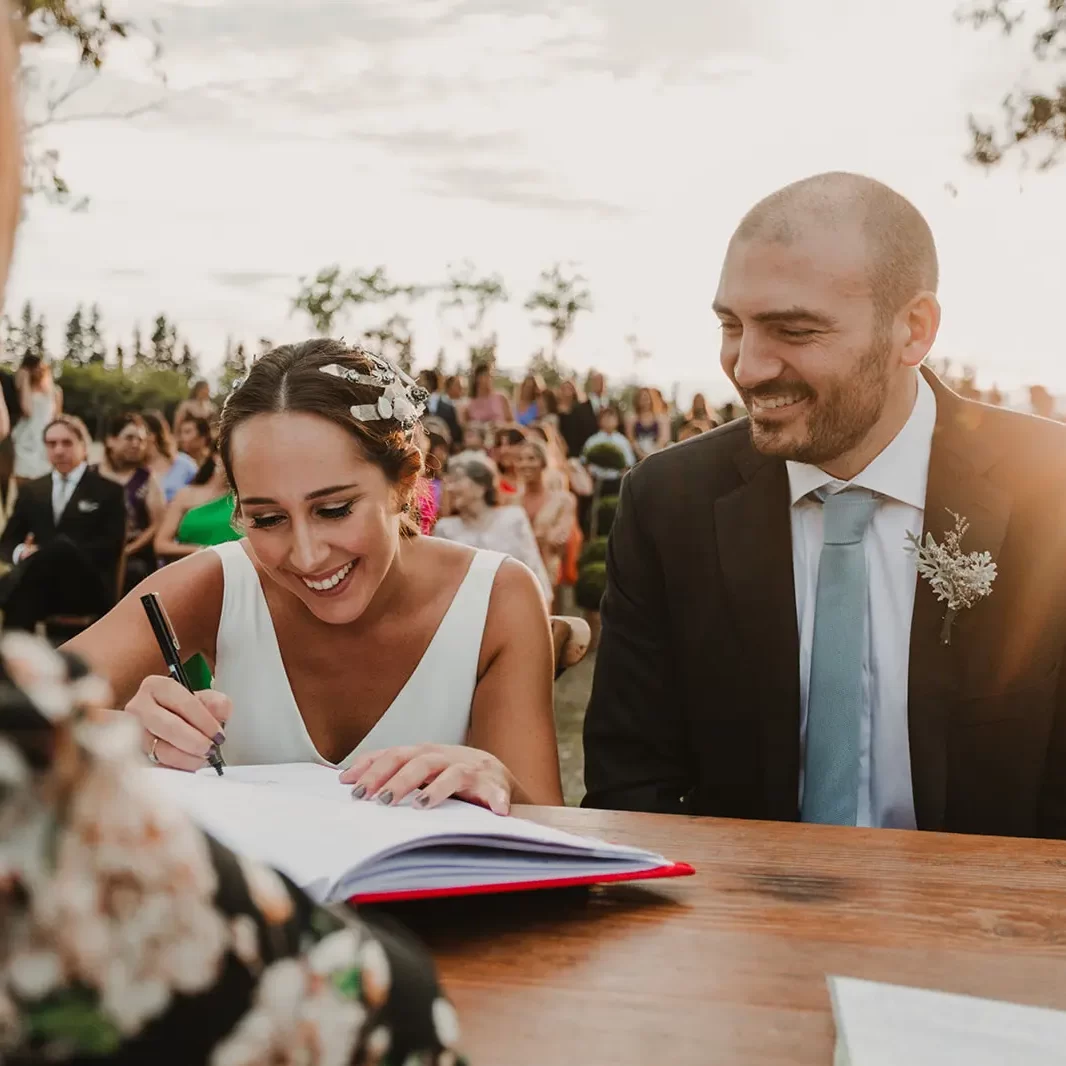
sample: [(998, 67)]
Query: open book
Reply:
[(300, 819), (891, 1025)]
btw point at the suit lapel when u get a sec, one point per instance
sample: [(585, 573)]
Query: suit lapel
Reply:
[(755, 551), (959, 458), (70, 513)]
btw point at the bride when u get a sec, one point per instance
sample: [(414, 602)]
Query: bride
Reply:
[(335, 633)]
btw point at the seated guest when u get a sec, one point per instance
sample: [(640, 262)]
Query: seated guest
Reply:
[(200, 516), (171, 468), (648, 427), (199, 405), (132, 937), (577, 418), (65, 537), (552, 512), (609, 420), (474, 440), (527, 400), (472, 485), (438, 405), (486, 405), (508, 440), (196, 439), (125, 452), (336, 632), (770, 649)]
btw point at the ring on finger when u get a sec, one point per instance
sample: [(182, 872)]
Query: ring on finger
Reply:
[(152, 757)]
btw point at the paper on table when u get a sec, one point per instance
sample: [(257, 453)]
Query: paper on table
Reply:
[(301, 820), (892, 1025)]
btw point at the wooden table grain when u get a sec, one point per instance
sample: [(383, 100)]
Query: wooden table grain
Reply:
[(729, 967)]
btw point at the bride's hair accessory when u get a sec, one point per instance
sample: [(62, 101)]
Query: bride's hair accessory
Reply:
[(401, 397)]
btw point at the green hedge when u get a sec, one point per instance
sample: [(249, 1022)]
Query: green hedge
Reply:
[(606, 456), (603, 516), (96, 392), (595, 551), (591, 582)]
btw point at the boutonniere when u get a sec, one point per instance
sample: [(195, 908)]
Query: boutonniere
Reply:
[(961, 578), (87, 506)]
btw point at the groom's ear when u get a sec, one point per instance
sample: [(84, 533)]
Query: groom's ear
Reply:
[(916, 327)]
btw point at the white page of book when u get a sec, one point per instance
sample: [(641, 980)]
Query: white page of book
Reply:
[(892, 1025), (300, 819)]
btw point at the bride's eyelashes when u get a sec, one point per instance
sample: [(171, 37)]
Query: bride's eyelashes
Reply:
[(334, 513)]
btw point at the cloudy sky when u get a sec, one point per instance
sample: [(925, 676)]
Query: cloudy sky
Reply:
[(622, 135)]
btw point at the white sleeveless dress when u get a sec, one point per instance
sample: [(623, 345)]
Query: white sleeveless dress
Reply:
[(31, 456), (266, 726)]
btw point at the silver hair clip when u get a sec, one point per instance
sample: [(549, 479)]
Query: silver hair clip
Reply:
[(401, 397)]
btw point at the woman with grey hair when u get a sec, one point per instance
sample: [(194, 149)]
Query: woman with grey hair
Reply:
[(472, 484)]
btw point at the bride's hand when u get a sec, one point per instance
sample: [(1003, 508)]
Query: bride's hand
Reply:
[(180, 727), (439, 770)]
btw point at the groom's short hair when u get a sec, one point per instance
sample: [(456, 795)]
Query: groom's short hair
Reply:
[(900, 245)]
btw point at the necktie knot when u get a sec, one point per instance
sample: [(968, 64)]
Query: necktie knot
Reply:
[(846, 515)]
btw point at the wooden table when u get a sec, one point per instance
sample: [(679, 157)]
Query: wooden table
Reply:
[(729, 966)]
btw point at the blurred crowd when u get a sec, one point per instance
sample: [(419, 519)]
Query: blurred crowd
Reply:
[(522, 469)]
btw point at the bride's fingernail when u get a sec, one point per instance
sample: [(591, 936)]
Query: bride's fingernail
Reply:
[(385, 798), (422, 801), (219, 738), (359, 792)]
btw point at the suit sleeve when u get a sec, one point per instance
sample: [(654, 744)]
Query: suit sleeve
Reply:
[(1052, 814), (635, 739), (18, 526), (110, 539)]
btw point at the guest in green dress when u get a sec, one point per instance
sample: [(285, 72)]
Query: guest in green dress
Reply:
[(199, 516)]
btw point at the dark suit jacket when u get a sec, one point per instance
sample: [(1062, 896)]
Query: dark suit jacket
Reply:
[(94, 519), (447, 413), (576, 426), (696, 704)]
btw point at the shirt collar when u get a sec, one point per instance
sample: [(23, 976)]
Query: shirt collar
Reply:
[(900, 472), (73, 478)]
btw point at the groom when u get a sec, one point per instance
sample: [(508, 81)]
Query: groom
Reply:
[(769, 649)]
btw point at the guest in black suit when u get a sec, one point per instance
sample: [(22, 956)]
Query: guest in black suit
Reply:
[(577, 419), (717, 688), (439, 405), (12, 408), (65, 537)]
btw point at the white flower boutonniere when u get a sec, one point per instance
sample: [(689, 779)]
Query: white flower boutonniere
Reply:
[(961, 578)]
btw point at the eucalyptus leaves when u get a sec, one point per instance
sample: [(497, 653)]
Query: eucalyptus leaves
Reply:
[(959, 578)]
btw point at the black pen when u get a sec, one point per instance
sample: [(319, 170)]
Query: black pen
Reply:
[(167, 640)]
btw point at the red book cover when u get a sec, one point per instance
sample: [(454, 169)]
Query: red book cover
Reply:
[(677, 869)]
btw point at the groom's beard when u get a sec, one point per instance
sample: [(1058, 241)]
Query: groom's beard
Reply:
[(838, 416)]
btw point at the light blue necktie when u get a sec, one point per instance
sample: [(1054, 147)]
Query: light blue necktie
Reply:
[(834, 696)]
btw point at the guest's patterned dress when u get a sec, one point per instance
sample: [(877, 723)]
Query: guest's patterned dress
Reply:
[(128, 936)]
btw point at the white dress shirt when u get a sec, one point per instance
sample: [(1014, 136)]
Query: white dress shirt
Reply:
[(64, 488), (899, 476)]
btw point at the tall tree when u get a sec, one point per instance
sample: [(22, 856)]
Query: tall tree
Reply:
[(164, 339), (331, 293), (90, 27), (465, 300), (393, 340), (40, 347), (188, 363), (138, 354), (95, 348), (74, 338), (557, 301), (1032, 118), (120, 358)]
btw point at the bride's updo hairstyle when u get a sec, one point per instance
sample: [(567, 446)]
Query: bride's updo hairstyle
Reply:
[(291, 378)]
